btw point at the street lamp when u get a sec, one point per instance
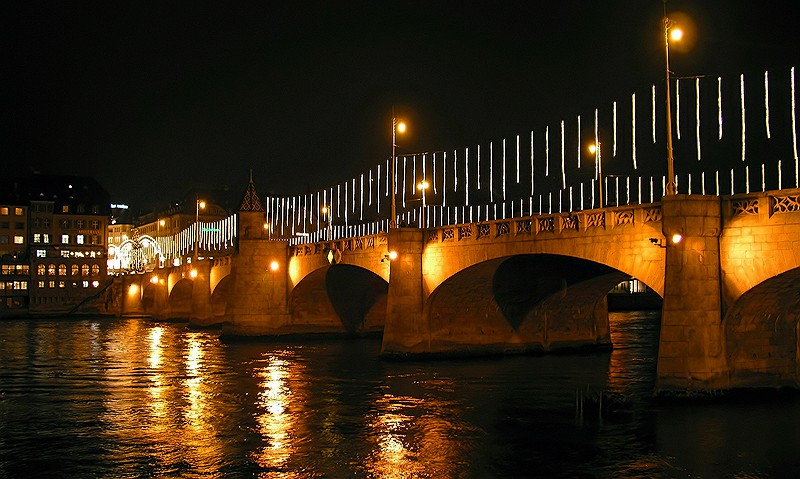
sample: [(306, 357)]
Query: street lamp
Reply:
[(598, 159), (199, 204), (670, 30), (422, 186), (328, 212), (398, 126)]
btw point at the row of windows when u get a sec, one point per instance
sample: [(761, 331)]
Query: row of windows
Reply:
[(65, 253), (13, 285), (83, 269), (6, 239), (5, 210), (15, 269), (65, 239), (64, 284)]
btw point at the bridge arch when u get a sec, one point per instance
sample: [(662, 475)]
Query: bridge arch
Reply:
[(762, 333), (180, 298), (344, 297), (220, 296), (527, 301)]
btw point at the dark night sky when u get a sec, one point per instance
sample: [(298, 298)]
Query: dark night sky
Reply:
[(156, 98)]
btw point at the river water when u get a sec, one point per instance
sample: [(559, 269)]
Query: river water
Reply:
[(133, 398)]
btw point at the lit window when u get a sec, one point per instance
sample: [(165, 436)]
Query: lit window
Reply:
[(65, 253), (51, 269), (95, 283), (51, 284), (95, 269), (79, 224), (40, 253), (41, 284), (65, 209), (18, 211), (85, 270), (37, 238), (4, 211), (75, 270), (95, 224), (85, 284), (62, 270), (79, 239), (61, 284), (46, 237), (64, 239), (19, 239)]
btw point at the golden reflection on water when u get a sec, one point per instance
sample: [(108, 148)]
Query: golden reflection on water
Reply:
[(277, 425)]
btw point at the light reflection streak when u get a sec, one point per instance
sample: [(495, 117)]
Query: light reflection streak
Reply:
[(275, 423)]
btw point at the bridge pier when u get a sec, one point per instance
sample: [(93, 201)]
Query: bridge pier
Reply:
[(404, 331), (201, 314), (691, 353)]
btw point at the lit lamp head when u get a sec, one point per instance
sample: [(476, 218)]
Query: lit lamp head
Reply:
[(201, 204), (423, 185), (401, 126), (593, 148)]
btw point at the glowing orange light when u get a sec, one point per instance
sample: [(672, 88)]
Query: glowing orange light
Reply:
[(193, 273), (274, 266), (676, 34), (154, 279), (401, 127), (392, 255), (677, 238)]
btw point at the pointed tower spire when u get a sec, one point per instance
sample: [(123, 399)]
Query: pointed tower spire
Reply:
[(250, 200)]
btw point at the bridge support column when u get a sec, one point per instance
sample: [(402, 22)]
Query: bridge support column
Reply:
[(691, 353), (258, 305), (201, 295), (405, 330)]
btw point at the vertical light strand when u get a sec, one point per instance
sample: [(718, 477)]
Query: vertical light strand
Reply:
[(478, 179), (747, 179), (766, 104), (678, 108), (517, 159), (652, 109), (404, 182), (716, 182), (370, 186), (741, 97), (596, 142), (455, 171), (703, 183), (433, 167), (763, 181), (353, 194), (444, 179), (719, 108), (491, 171), (697, 115), (547, 151), (413, 174), (532, 168), (563, 159), (614, 128), (378, 189), (579, 142), (633, 129), (361, 205)]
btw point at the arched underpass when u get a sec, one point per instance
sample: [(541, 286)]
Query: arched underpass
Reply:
[(340, 298), (522, 303), (762, 332)]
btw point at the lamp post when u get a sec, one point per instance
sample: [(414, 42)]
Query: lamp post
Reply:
[(199, 204), (422, 186), (327, 211), (397, 126), (676, 33), (598, 158)]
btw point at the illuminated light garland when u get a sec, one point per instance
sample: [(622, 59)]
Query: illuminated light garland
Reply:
[(596, 141), (747, 179), (741, 96), (633, 129), (780, 175), (532, 167), (579, 139), (338, 200), (378, 189), (719, 108), (370, 186), (563, 158), (653, 110), (678, 108), (404, 181), (582, 202), (479, 168), (763, 183), (716, 181), (570, 199), (614, 129), (689, 184), (697, 115), (444, 179), (639, 196), (504, 170), (732, 182), (517, 159), (433, 167), (455, 171), (547, 151), (652, 190), (766, 104), (703, 181), (361, 200), (353, 196), (491, 171)]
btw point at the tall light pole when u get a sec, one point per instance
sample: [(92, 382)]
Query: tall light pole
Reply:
[(397, 126), (676, 33), (598, 159), (199, 204), (422, 186)]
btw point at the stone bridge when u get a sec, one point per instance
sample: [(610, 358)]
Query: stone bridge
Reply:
[(728, 269)]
